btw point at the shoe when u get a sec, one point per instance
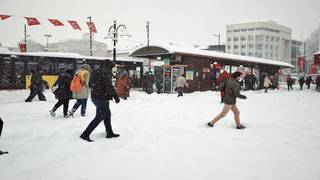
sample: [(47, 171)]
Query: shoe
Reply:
[(27, 100), (112, 135), (210, 125), (241, 127), (83, 115), (52, 113), (70, 114), (86, 138), (3, 152), (66, 116)]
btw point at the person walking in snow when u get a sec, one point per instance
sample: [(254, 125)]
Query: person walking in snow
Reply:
[(36, 87), (289, 82), (63, 92), (318, 83), (221, 80), (309, 81), (1, 126), (102, 91), (266, 83), (232, 92), (83, 94), (180, 83), (301, 82)]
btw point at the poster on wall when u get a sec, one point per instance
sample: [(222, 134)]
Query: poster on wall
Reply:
[(189, 75)]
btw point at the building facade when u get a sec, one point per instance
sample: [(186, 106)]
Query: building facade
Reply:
[(267, 40)]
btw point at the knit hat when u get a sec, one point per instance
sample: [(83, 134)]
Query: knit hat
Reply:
[(86, 67), (236, 74)]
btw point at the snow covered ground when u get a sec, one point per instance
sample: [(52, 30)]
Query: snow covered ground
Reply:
[(165, 137)]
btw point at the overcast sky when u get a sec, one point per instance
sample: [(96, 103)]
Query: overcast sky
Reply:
[(183, 22)]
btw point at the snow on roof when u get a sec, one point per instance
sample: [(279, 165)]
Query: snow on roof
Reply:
[(127, 59), (193, 51), (4, 50), (317, 52)]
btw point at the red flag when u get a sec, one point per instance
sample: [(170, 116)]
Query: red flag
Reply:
[(3, 17), (74, 25), (92, 27), (32, 21), (55, 22), (23, 47)]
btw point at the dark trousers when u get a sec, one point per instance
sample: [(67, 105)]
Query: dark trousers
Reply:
[(103, 113), (308, 86), (34, 93), (301, 85), (180, 91), (290, 87), (266, 89), (1, 125), (82, 103), (65, 104)]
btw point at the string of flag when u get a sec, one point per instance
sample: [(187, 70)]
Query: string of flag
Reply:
[(33, 21)]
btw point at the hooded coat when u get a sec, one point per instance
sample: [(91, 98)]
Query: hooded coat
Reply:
[(84, 73)]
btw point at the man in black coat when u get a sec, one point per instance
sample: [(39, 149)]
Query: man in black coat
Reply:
[(63, 92), (301, 82), (36, 87), (309, 81), (102, 91)]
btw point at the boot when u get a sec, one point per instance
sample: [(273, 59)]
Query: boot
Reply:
[(210, 124), (52, 111), (86, 138), (71, 112), (112, 135), (241, 127)]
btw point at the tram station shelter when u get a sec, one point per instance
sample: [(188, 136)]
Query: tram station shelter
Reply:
[(15, 67), (202, 67)]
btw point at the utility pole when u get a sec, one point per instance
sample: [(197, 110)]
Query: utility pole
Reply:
[(90, 37), (25, 36), (114, 40), (47, 36), (148, 29)]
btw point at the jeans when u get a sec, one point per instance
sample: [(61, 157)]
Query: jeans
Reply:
[(83, 103), (103, 113)]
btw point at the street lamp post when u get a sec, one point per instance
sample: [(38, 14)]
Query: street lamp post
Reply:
[(114, 29), (148, 29), (90, 37), (25, 37), (47, 36), (217, 35)]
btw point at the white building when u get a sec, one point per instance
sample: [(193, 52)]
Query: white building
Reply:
[(267, 40)]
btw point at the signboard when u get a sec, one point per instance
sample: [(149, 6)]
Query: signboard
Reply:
[(206, 70), (167, 79), (23, 47), (313, 69), (317, 59), (189, 75), (300, 64), (166, 62)]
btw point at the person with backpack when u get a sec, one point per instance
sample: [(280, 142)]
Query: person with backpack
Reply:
[(221, 82), (102, 91), (232, 92), (80, 89), (36, 87), (301, 82), (309, 81), (63, 92)]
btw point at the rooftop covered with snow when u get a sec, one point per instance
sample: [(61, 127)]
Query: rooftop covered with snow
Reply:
[(158, 50)]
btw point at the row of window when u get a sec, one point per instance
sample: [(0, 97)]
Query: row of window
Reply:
[(255, 29), (251, 46), (258, 54), (251, 38)]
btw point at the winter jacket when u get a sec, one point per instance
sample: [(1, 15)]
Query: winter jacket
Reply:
[(84, 92), (309, 80), (266, 82), (63, 91), (123, 87), (232, 91), (289, 81), (101, 85), (301, 81), (36, 82), (181, 82)]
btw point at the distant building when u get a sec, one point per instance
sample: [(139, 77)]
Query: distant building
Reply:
[(81, 46), (218, 48), (267, 40)]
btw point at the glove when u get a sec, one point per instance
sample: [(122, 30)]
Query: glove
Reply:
[(117, 99)]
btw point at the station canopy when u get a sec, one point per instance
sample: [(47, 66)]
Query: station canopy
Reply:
[(161, 50)]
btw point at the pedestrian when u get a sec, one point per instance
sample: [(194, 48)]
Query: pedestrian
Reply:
[(82, 95), (1, 126), (149, 83), (301, 82), (102, 91), (232, 92), (266, 83), (318, 83), (309, 81), (289, 82), (123, 85), (180, 83), (37, 86), (63, 92)]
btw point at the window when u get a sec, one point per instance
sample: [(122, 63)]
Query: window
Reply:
[(243, 46), (251, 29), (229, 47), (236, 47), (250, 38), (236, 30), (250, 46), (243, 38), (229, 39), (236, 38), (259, 37), (272, 39), (266, 46), (243, 30), (258, 46), (243, 53)]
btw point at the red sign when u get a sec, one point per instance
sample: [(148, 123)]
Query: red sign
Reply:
[(317, 59), (300, 64), (55, 22), (32, 21), (313, 69), (23, 47), (74, 25)]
